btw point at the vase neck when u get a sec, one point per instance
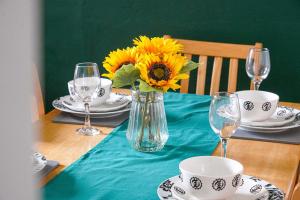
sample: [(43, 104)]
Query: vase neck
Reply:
[(146, 96)]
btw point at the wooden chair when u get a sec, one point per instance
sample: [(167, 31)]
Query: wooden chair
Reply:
[(37, 101), (219, 51), (296, 192)]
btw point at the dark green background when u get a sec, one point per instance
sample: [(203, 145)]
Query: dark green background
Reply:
[(86, 30)]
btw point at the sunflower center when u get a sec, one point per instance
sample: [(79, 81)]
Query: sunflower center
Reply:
[(159, 72)]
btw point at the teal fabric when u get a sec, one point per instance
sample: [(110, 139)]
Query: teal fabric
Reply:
[(113, 170)]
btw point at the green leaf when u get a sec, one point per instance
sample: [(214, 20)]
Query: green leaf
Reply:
[(144, 87), (126, 75), (189, 67)]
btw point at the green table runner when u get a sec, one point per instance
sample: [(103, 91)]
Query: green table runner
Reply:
[(112, 170)]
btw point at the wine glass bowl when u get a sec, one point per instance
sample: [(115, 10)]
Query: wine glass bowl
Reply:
[(103, 93), (87, 88), (87, 85), (258, 65), (224, 116)]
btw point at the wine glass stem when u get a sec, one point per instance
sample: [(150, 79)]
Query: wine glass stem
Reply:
[(87, 122), (224, 142), (256, 85)]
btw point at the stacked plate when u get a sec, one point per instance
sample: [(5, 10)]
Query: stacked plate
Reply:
[(115, 105), (283, 119), (250, 188)]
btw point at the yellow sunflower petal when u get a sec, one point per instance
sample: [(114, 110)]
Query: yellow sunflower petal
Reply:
[(110, 76), (117, 58), (157, 45), (182, 76)]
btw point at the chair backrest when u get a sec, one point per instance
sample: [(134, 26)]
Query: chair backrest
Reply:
[(219, 51), (296, 192), (37, 101)]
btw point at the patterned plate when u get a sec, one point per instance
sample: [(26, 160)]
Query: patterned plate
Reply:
[(275, 129), (115, 102), (259, 190), (58, 104), (283, 115)]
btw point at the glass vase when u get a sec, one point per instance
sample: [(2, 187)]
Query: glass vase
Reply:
[(147, 127)]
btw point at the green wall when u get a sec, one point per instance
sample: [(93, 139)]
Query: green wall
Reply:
[(86, 30)]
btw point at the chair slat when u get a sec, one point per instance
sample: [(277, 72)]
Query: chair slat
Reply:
[(296, 192), (38, 108), (201, 75), (185, 83), (233, 73), (216, 75)]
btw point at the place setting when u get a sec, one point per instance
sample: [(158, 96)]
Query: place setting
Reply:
[(261, 113), (212, 177), (91, 97), (262, 118)]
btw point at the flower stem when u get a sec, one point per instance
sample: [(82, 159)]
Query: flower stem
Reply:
[(133, 86), (145, 119)]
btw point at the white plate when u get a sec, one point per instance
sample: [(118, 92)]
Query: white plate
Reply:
[(251, 188), (259, 129), (115, 102), (57, 104), (283, 115)]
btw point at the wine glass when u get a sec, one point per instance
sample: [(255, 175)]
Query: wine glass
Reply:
[(258, 65), (87, 84), (224, 116)]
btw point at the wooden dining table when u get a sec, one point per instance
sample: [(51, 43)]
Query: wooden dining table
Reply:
[(276, 163)]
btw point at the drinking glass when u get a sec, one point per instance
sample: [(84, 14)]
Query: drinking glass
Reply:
[(258, 65), (224, 116), (87, 84)]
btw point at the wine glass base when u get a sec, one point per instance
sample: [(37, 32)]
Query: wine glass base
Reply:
[(90, 131)]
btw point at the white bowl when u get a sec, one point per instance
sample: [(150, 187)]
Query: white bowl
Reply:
[(103, 93), (210, 177), (257, 105)]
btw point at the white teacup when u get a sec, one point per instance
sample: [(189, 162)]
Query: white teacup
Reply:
[(210, 177), (257, 105), (103, 93)]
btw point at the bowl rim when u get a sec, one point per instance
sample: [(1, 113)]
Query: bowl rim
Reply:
[(275, 97), (106, 79), (239, 171)]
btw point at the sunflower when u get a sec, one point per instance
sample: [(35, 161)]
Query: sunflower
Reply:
[(157, 45), (162, 72), (116, 59)]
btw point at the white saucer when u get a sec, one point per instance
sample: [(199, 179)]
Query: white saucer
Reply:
[(283, 115), (275, 129), (115, 102), (58, 104), (251, 188)]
